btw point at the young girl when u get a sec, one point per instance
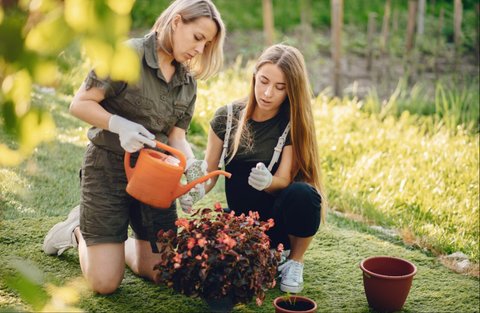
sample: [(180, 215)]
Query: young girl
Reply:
[(185, 43), (272, 154)]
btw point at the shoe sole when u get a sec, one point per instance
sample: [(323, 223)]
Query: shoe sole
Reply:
[(291, 289)]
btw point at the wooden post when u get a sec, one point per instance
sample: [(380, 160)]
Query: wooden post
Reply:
[(385, 23), (268, 26), (412, 15), (370, 38), (421, 18), (337, 21)]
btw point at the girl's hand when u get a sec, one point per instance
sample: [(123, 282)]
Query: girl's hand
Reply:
[(195, 169), (260, 177)]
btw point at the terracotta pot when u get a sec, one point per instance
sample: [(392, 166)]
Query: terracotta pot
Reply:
[(295, 304), (387, 281)]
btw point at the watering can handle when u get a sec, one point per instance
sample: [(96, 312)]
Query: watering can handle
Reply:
[(128, 168), (177, 153)]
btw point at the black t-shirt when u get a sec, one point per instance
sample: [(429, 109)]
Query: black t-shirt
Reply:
[(241, 197)]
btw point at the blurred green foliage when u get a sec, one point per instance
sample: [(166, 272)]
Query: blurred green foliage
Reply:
[(34, 34), (247, 14)]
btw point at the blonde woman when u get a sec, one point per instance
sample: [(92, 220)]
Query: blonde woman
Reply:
[(185, 43), (285, 186)]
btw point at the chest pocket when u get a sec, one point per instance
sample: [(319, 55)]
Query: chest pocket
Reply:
[(137, 107), (168, 115)]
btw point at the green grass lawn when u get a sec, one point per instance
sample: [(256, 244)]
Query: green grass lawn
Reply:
[(391, 172), (332, 276)]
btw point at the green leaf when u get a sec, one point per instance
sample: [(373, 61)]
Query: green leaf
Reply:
[(27, 281)]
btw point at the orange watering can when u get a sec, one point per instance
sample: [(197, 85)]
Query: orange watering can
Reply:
[(155, 182)]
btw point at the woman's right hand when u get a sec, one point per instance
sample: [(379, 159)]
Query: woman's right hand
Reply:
[(132, 136)]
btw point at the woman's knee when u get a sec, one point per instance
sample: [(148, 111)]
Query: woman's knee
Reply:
[(299, 208), (104, 284), (302, 195)]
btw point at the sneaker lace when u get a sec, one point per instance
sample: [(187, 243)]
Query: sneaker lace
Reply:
[(296, 269)]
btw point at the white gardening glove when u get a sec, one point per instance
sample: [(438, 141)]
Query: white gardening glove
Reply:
[(195, 169), (260, 177), (132, 135)]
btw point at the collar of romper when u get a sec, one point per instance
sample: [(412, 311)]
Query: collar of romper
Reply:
[(181, 74)]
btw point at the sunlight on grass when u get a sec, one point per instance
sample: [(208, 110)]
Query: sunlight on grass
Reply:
[(409, 172), (13, 190), (427, 183)]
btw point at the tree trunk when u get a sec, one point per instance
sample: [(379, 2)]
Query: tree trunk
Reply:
[(385, 23), (370, 38), (421, 18), (337, 21), (440, 22), (268, 26), (477, 46), (306, 14), (457, 28), (395, 21), (412, 15), (457, 23)]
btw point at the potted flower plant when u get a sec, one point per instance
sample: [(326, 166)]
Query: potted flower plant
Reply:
[(218, 256)]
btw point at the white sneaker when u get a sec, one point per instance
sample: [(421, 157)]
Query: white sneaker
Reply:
[(61, 237), (292, 276)]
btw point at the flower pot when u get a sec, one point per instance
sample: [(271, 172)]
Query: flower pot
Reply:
[(222, 305), (294, 303), (387, 281)]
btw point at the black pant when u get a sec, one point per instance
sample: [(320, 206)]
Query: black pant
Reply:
[(296, 211)]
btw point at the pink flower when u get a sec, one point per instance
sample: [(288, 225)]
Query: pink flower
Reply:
[(202, 242), (177, 258), (259, 301), (270, 222), (280, 247), (190, 243), (183, 222), (226, 239)]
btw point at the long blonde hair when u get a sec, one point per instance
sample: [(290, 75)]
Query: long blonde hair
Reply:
[(210, 61), (306, 160)]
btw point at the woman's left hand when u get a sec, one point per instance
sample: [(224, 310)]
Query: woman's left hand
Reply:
[(260, 177), (195, 169)]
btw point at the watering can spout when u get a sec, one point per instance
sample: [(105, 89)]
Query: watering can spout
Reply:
[(183, 189)]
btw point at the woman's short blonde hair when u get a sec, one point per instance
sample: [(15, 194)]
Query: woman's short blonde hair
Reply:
[(210, 61)]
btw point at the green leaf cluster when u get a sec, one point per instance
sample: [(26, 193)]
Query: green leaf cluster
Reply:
[(34, 33)]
